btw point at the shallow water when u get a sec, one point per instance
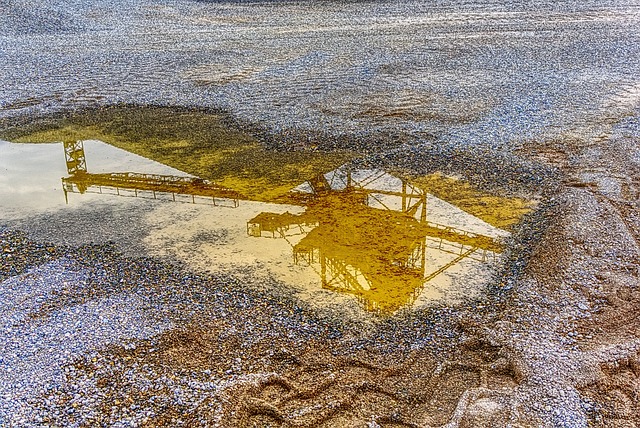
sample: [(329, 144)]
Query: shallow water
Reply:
[(344, 236)]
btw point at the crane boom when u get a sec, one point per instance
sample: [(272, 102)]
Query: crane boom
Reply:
[(81, 181)]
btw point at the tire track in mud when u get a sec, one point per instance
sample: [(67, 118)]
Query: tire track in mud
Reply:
[(305, 386), (615, 396), (597, 269)]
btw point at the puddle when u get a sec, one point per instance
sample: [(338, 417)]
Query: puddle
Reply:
[(368, 238), (199, 143)]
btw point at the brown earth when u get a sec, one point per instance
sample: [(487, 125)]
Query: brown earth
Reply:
[(315, 385), (594, 249), (564, 350)]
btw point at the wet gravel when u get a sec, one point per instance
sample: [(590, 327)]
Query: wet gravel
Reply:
[(19, 254), (491, 74), (78, 226), (487, 169), (64, 314)]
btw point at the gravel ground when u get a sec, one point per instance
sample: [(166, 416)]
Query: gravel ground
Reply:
[(475, 72), (540, 99), (89, 305)]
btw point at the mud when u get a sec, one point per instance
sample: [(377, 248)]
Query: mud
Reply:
[(317, 383)]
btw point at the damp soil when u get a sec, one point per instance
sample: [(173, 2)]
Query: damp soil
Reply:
[(549, 341)]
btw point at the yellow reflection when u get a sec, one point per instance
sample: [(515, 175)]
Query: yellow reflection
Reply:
[(377, 254), (366, 233), (139, 184), (197, 142), (499, 211)]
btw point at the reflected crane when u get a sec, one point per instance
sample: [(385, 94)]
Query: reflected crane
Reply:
[(377, 254), (154, 186), (363, 236)]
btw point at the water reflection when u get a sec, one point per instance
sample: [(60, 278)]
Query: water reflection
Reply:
[(155, 186), (379, 237), (365, 232)]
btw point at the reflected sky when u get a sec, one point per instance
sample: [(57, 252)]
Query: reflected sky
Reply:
[(360, 237)]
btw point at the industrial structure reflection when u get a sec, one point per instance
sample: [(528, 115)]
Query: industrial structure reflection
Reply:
[(133, 184), (366, 232)]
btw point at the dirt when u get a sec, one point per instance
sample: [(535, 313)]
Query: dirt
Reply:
[(559, 346), (594, 249), (317, 384)]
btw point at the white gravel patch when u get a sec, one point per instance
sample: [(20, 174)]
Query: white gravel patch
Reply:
[(35, 350)]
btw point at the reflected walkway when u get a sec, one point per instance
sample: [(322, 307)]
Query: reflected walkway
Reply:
[(154, 186)]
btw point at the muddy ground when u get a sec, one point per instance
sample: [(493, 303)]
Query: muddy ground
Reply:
[(554, 342), (97, 333)]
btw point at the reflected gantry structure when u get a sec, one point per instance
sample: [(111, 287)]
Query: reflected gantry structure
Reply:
[(366, 233), (134, 184)]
